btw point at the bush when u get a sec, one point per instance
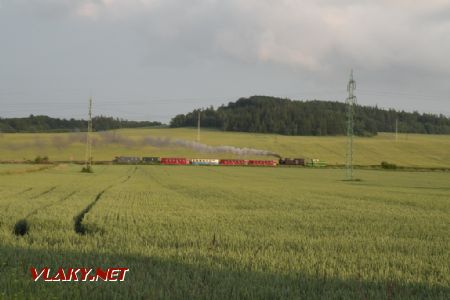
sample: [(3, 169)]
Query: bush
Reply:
[(41, 159), (21, 227), (87, 170), (386, 165)]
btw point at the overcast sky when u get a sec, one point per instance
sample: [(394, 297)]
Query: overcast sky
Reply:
[(152, 59)]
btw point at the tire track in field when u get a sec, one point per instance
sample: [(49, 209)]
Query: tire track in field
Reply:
[(21, 227), (164, 184), (6, 207), (44, 193), (32, 197), (154, 178), (129, 176), (23, 191), (78, 219), (51, 204)]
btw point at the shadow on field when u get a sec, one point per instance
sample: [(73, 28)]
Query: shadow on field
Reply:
[(155, 278)]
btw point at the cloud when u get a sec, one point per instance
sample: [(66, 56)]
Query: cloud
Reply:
[(300, 34), (87, 9), (113, 8), (310, 34), (216, 49)]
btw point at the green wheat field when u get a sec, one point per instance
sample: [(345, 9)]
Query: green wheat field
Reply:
[(228, 232)]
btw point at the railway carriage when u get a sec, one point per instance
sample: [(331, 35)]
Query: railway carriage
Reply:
[(233, 162), (174, 161), (204, 162), (262, 163)]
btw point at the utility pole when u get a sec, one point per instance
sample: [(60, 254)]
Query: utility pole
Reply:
[(351, 102), (396, 130), (88, 156), (198, 126)]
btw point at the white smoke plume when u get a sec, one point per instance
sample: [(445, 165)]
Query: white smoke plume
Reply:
[(109, 138), (198, 147)]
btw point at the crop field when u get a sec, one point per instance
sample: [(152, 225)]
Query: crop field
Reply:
[(413, 150), (227, 232)]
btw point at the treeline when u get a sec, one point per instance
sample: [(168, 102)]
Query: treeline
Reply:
[(284, 116), (48, 124)]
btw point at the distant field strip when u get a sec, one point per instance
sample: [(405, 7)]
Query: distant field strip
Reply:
[(15, 171), (411, 150)]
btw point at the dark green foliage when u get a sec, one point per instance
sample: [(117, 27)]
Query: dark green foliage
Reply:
[(41, 159), (283, 116), (78, 226), (87, 170), (21, 227), (48, 124), (386, 165)]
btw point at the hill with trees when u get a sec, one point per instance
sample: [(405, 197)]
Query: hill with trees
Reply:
[(284, 116), (48, 124)]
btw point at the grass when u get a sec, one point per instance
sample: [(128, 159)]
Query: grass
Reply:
[(410, 150), (228, 232)]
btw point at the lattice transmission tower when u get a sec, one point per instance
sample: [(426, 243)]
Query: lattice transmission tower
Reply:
[(351, 103)]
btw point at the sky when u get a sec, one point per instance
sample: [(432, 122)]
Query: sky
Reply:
[(153, 59)]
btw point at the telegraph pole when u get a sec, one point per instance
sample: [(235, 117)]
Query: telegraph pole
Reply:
[(88, 157), (351, 102), (396, 130), (198, 126)]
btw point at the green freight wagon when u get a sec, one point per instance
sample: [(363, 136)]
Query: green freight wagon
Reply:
[(315, 163), (150, 160)]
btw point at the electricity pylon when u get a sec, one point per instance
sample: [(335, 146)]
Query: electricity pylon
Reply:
[(351, 103)]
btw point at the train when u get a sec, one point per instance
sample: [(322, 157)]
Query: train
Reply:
[(151, 160)]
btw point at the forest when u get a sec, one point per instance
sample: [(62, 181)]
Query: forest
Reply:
[(317, 118), (49, 124)]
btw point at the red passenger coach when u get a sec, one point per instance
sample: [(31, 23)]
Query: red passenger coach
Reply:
[(263, 163), (233, 162), (174, 161)]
